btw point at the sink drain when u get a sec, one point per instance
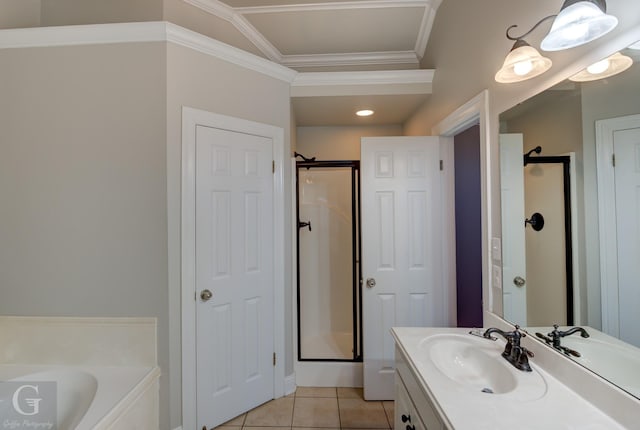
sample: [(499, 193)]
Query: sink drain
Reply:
[(487, 390)]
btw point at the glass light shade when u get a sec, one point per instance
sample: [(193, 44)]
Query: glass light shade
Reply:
[(576, 24), (523, 62), (617, 63), (364, 112)]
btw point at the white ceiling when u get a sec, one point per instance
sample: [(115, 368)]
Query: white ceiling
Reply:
[(340, 35)]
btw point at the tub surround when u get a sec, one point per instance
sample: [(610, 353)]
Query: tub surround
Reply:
[(558, 405), (112, 360)]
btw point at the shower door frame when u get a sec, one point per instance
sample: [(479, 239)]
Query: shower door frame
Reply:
[(354, 165), (565, 160)]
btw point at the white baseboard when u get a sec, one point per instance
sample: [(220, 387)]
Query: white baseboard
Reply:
[(328, 374), (290, 384), (178, 428)]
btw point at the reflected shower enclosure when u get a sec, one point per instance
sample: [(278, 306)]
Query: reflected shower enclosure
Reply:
[(329, 310)]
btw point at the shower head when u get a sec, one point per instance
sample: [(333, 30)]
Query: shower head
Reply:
[(537, 150)]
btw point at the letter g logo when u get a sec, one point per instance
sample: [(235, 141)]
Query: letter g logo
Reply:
[(34, 403)]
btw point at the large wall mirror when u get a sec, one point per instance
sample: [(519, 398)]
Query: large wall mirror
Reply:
[(570, 196)]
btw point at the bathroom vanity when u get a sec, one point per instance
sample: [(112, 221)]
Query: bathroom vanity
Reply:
[(447, 378)]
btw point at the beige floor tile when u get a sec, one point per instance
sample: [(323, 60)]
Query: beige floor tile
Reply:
[(350, 393), (236, 422), (316, 428), (226, 427), (316, 392), (316, 412), (266, 428), (276, 413), (357, 413), (389, 410)]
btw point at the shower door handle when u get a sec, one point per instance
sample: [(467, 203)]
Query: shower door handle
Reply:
[(371, 282), (303, 224)]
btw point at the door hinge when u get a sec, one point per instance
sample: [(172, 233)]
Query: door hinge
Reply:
[(274, 358), (441, 165), (613, 160), (273, 166)]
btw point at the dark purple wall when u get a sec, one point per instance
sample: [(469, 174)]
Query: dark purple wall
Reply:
[(468, 228)]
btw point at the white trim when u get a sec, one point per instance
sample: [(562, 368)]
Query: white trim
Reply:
[(448, 212), (83, 35), (607, 225), (190, 119), (290, 384), (475, 111), (206, 45), (425, 28), (383, 77), (138, 32), (351, 59), (346, 5)]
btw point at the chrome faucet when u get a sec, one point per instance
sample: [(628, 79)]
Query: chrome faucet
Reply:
[(554, 337), (513, 352)]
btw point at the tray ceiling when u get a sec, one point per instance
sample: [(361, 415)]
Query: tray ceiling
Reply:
[(352, 35)]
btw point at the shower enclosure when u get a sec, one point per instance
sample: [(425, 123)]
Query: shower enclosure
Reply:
[(328, 300), (549, 246)]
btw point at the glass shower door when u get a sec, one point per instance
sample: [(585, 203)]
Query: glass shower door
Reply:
[(328, 248)]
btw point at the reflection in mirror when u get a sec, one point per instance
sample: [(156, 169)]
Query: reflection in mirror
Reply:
[(582, 267)]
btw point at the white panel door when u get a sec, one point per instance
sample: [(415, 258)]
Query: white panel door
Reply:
[(626, 146), (401, 250), (514, 263), (234, 261)]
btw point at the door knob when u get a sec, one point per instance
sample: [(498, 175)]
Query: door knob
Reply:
[(519, 281), (371, 282), (205, 295)]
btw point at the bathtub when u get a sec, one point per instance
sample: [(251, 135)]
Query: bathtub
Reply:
[(94, 397)]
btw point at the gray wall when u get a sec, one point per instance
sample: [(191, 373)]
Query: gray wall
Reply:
[(74, 12), (19, 13), (83, 185), (338, 143)]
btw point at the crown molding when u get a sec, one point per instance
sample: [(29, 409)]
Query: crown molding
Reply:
[(82, 35), (312, 7), (221, 10), (207, 45), (161, 31), (351, 59), (425, 27), (358, 83)]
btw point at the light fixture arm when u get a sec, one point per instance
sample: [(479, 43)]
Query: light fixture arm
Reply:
[(530, 31)]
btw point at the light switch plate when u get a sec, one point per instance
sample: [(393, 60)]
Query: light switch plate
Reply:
[(496, 276), (496, 249)]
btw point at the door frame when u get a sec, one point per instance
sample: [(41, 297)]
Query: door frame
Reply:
[(475, 111), (607, 226), (191, 118)]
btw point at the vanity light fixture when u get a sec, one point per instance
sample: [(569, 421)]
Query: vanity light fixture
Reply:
[(577, 23), (364, 112), (523, 62), (616, 63)]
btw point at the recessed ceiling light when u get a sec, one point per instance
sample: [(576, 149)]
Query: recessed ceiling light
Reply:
[(364, 112)]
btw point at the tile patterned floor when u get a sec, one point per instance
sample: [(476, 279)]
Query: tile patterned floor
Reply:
[(319, 408)]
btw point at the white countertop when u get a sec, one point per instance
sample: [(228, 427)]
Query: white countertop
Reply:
[(556, 408)]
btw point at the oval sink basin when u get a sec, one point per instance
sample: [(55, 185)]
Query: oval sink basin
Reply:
[(468, 364), (476, 365)]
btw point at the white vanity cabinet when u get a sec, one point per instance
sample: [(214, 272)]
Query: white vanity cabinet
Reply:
[(413, 409)]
